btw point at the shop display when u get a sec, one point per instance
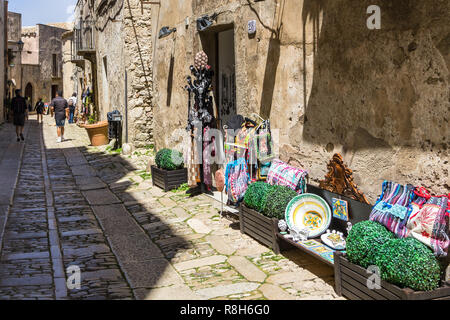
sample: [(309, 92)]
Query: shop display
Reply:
[(278, 199), (339, 179), (236, 180), (256, 196), (282, 225), (412, 212), (392, 207), (168, 159), (408, 263), (430, 223), (364, 242), (282, 174), (319, 249), (311, 211), (200, 120), (340, 209), (334, 239), (297, 234)]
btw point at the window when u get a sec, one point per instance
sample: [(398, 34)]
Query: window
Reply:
[(55, 66)]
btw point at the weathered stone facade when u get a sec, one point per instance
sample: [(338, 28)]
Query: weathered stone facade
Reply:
[(123, 45), (37, 69), (14, 72), (3, 61), (329, 84)]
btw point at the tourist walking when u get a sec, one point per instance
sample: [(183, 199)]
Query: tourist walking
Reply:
[(60, 108), (20, 112), (72, 101), (39, 110)]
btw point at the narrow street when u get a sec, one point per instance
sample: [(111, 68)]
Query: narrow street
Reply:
[(77, 205)]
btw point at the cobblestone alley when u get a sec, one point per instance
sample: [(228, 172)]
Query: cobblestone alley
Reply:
[(69, 204)]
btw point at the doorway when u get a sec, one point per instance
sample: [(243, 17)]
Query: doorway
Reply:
[(226, 76), (29, 93), (54, 91)]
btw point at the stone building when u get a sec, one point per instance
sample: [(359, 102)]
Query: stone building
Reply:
[(34, 59), (330, 84), (14, 53), (113, 54), (42, 61), (327, 82), (3, 56)]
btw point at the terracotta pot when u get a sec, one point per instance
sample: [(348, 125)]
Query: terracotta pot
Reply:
[(98, 133)]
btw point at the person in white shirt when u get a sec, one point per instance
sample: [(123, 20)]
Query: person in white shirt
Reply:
[(72, 101)]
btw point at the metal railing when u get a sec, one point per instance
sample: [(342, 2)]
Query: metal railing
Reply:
[(84, 39)]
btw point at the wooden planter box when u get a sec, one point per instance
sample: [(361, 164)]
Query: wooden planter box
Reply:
[(351, 282), (168, 180), (259, 227)]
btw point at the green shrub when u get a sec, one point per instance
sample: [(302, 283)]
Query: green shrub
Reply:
[(256, 195), (277, 200), (168, 159), (409, 263), (365, 240)]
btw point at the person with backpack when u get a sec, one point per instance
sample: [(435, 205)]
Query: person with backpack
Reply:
[(60, 108), (72, 102), (39, 110), (20, 113)]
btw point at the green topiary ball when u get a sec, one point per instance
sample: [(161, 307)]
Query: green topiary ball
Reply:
[(168, 159), (365, 240), (277, 200), (256, 195), (409, 263)]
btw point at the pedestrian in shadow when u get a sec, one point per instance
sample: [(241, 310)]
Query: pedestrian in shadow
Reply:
[(40, 110), (19, 108), (60, 108)]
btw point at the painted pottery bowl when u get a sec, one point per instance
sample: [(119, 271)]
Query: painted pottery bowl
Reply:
[(311, 211)]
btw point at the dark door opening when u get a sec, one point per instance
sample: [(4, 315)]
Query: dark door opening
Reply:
[(29, 93), (226, 76), (54, 91)]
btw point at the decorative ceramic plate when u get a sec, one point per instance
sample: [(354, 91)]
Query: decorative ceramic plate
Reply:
[(311, 211)]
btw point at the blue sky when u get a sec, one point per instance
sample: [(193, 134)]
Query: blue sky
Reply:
[(42, 11)]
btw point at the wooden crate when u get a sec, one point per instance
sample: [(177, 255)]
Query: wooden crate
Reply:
[(168, 180), (259, 227), (351, 282)]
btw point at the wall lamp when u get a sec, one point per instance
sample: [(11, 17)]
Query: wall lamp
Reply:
[(205, 22), (165, 31)]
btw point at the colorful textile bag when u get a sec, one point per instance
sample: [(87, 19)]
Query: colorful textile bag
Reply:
[(280, 173), (393, 207), (236, 180), (430, 223)]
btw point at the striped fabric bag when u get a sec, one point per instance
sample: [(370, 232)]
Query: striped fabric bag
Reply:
[(393, 207), (282, 174)]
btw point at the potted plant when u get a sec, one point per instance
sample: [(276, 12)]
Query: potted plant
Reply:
[(261, 210), (406, 268), (169, 172), (96, 130)]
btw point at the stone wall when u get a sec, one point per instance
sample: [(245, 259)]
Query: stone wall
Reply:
[(138, 49), (110, 58), (2, 59), (328, 84)]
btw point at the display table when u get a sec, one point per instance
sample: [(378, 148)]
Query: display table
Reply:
[(357, 212)]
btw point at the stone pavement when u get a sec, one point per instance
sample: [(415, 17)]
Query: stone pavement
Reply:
[(78, 205)]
